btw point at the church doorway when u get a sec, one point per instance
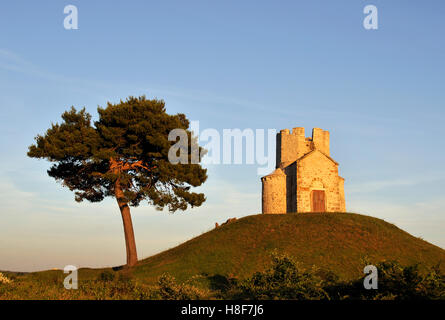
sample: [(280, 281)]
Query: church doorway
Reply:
[(318, 201)]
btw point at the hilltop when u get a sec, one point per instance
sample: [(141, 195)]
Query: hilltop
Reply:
[(338, 242)]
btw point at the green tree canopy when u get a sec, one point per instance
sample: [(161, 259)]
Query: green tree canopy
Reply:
[(123, 155)]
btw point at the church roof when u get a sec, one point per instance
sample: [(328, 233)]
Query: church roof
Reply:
[(311, 152), (276, 172)]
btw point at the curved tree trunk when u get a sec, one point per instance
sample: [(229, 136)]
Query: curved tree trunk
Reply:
[(130, 243)]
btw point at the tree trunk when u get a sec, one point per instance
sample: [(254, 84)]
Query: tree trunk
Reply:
[(130, 243)]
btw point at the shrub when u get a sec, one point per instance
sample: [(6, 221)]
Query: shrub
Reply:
[(169, 289), (397, 282), (4, 279), (106, 276), (286, 279)]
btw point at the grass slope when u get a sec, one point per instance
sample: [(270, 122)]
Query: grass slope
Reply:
[(337, 242)]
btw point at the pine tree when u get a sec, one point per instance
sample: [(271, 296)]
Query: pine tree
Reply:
[(123, 155)]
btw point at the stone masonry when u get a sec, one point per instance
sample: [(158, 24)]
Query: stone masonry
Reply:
[(306, 177)]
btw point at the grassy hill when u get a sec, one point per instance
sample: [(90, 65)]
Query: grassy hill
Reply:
[(337, 242)]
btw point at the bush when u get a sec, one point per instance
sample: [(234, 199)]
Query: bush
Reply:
[(106, 276), (286, 279), (169, 289), (396, 282), (4, 279)]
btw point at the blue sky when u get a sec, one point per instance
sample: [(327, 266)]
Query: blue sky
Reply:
[(228, 64)]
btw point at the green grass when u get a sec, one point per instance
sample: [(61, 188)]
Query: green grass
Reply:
[(339, 242)]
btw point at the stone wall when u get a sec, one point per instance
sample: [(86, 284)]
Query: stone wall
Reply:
[(303, 165), (274, 192), (317, 172), (291, 146), (320, 138), (291, 187)]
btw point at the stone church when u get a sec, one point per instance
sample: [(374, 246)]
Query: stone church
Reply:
[(306, 178)]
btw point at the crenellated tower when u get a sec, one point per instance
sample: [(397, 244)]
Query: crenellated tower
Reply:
[(306, 177)]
